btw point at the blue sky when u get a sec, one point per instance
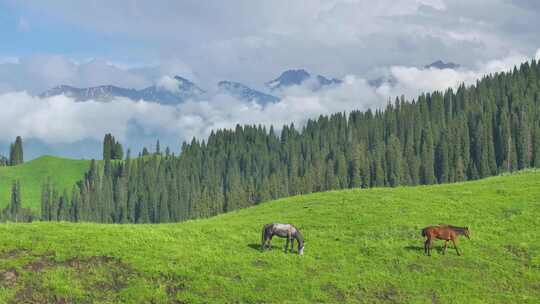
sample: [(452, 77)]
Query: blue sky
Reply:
[(27, 33)]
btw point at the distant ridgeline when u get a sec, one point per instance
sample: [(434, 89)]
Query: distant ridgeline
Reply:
[(471, 133)]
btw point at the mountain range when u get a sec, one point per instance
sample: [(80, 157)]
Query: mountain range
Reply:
[(183, 91), (243, 92), (187, 90), (439, 64), (299, 77)]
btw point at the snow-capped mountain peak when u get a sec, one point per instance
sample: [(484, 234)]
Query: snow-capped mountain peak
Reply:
[(289, 78), (243, 92), (439, 64), (300, 77), (169, 90)]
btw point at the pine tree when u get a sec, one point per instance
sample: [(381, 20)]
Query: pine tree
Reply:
[(107, 143), (63, 207), (442, 165), (74, 212), (145, 152), (55, 200), (16, 152), (118, 151), (15, 204), (394, 162), (536, 148), (164, 215), (112, 149), (46, 198), (4, 161), (427, 174)]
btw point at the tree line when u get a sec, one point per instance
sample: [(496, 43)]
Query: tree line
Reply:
[(440, 137)]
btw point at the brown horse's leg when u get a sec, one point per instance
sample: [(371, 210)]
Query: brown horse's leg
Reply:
[(445, 246), (427, 246), (455, 246)]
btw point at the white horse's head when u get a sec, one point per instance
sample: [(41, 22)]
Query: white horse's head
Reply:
[(301, 250)]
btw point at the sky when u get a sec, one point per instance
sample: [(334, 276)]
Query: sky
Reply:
[(134, 44)]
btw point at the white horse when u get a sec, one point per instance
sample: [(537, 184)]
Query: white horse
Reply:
[(285, 231)]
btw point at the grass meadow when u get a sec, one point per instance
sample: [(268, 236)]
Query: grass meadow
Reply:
[(362, 246), (63, 172)]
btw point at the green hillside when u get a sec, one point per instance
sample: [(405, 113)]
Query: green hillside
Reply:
[(361, 246), (63, 172)]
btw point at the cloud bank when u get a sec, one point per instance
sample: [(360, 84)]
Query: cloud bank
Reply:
[(59, 119), (253, 41), (38, 73)]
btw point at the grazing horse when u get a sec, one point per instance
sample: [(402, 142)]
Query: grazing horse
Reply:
[(285, 231), (445, 233)]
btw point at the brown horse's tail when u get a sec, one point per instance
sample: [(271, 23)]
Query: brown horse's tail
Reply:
[(424, 232)]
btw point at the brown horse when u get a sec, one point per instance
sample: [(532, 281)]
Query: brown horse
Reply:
[(445, 233)]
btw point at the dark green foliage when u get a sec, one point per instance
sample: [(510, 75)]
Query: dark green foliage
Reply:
[(158, 149), (471, 133), (15, 204), (145, 152), (112, 149), (16, 152), (14, 211), (4, 161)]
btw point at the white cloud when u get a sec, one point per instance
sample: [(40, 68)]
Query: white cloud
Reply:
[(38, 73), (436, 4), (62, 120), (412, 81), (252, 41), (169, 84)]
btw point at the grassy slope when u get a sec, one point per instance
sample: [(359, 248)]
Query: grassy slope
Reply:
[(63, 172), (362, 246)]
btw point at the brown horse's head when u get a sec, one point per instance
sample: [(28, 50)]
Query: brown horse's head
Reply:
[(467, 233)]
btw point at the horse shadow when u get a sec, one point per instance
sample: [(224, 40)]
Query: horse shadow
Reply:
[(257, 247), (414, 248), (439, 249)]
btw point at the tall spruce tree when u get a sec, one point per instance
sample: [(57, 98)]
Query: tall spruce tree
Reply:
[(15, 204), (112, 149), (16, 156)]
